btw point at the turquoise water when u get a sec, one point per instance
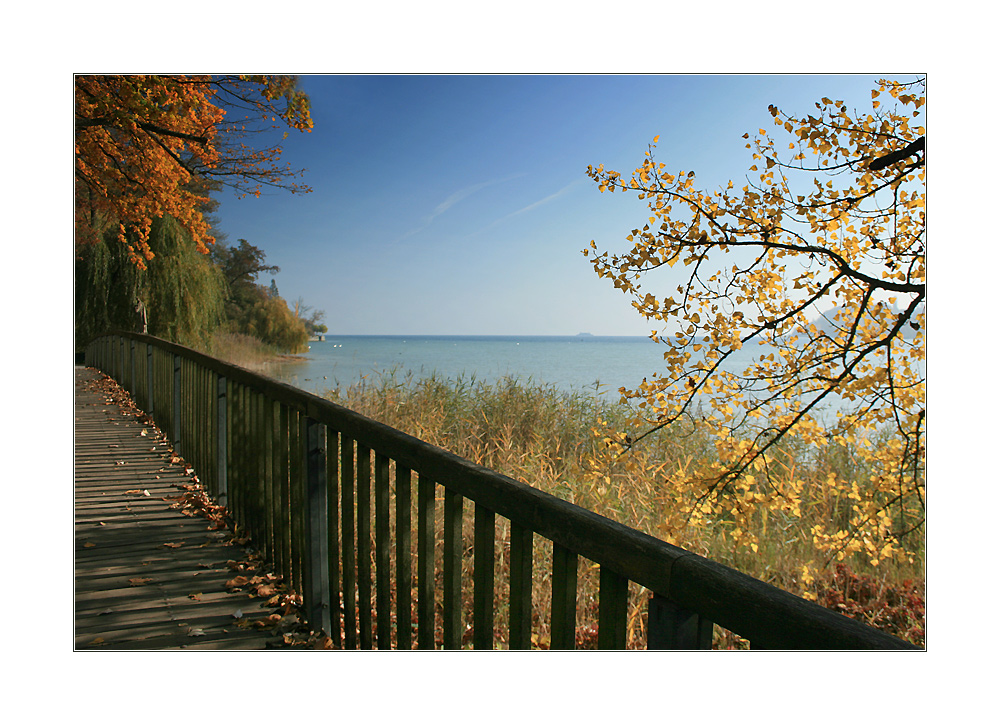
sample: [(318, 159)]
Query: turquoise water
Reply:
[(569, 363), (580, 363)]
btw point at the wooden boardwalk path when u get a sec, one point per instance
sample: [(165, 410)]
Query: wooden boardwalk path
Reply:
[(147, 576)]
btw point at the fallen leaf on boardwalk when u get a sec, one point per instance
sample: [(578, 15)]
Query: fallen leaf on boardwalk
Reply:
[(196, 632), (172, 545), (266, 590), (135, 492), (323, 643), (272, 620), (196, 596), (240, 581), (99, 640), (238, 614), (139, 581), (89, 545), (142, 432)]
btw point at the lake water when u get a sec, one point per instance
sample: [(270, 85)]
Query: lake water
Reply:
[(569, 363), (578, 363)]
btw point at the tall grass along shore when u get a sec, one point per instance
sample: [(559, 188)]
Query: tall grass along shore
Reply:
[(547, 438)]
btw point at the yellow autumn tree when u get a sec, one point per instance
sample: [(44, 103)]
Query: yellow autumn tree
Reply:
[(798, 319)]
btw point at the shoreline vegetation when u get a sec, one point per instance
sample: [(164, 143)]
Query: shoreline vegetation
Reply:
[(247, 351), (546, 437)]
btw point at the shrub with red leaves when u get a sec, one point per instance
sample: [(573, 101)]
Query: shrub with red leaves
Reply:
[(896, 609)]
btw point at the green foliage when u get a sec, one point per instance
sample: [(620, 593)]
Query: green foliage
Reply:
[(184, 291), (177, 297), (182, 295), (270, 321), (106, 288)]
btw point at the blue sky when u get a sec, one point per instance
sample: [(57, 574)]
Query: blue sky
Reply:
[(459, 204)]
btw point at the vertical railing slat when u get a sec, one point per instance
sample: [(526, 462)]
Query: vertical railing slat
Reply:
[(234, 445), (383, 594), (521, 549), (266, 542), (318, 605), (364, 506), (452, 594), (348, 558), (404, 578), (425, 562), (670, 626), (612, 610), (283, 530), (484, 554), (563, 626), (296, 488), (333, 534), (176, 412)]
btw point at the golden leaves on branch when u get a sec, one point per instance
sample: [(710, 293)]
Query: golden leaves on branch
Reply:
[(828, 274)]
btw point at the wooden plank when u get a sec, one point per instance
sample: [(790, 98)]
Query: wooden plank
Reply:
[(521, 550), (483, 577), (425, 562), (131, 590), (563, 625)]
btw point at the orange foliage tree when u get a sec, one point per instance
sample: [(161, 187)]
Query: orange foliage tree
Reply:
[(151, 146)]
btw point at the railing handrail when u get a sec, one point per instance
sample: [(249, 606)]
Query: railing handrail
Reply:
[(766, 615)]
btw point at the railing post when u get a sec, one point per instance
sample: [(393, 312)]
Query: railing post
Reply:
[(221, 455), (318, 594), (671, 626)]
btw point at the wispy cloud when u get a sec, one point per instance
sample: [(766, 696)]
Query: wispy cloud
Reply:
[(451, 201), (546, 200)]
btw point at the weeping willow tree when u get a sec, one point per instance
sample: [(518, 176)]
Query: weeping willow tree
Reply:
[(179, 296)]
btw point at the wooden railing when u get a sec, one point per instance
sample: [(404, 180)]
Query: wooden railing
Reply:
[(296, 473)]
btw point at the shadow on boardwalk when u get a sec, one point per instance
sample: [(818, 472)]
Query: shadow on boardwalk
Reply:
[(147, 576)]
